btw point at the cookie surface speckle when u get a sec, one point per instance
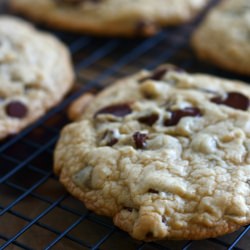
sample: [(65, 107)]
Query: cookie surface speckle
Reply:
[(187, 180)]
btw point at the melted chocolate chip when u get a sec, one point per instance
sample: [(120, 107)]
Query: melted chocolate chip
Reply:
[(140, 140), (16, 109), (149, 119), (119, 110), (233, 99), (176, 115)]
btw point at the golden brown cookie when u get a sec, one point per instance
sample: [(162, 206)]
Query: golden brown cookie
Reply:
[(35, 74), (110, 17), (224, 36), (164, 153)]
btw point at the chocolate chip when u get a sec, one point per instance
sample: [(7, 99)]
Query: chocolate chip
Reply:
[(158, 73), (140, 140), (164, 220), (149, 119), (119, 110), (109, 137), (153, 191), (16, 109), (129, 209), (176, 115), (233, 99), (161, 71), (112, 142)]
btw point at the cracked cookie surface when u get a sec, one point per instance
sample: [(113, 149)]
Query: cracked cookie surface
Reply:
[(164, 153), (224, 36), (110, 17), (35, 73)]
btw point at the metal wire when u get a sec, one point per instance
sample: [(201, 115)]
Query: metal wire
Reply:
[(31, 196)]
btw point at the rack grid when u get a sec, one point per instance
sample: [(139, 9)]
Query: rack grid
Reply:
[(35, 210)]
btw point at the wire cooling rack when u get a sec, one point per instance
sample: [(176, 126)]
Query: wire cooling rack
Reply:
[(35, 210)]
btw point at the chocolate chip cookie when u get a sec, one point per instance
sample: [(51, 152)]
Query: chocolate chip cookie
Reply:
[(164, 153), (35, 73), (224, 36), (110, 17)]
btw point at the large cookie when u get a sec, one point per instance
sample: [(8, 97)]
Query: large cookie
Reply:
[(35, 73), (224, 36), (166, 154), (110, 17)]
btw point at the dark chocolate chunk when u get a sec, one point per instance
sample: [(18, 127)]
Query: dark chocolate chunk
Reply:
[(110, 138), (149, 119), (233, 99), (112, 142), (16, 109), (153, 191), (158, 73), (119, 110), (140, 140), (176, 115)]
